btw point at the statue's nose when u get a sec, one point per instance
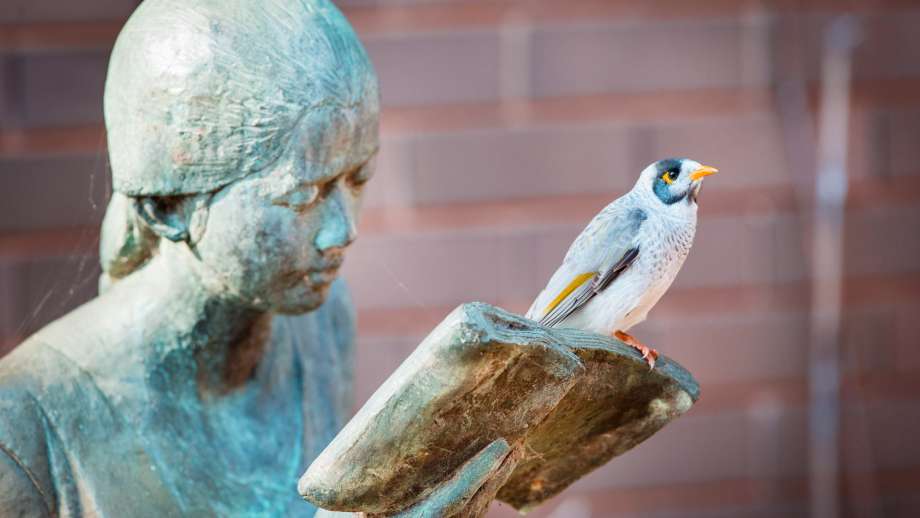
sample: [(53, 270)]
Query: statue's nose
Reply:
[(337, 228)]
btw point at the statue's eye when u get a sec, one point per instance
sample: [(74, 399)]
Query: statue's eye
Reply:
[(299, 199), (361, 174), (357, 178)]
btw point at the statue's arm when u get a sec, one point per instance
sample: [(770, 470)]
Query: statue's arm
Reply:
[(467, 492), (19, 494)]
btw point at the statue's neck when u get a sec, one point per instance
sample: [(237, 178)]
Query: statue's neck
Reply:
[(223, 339)]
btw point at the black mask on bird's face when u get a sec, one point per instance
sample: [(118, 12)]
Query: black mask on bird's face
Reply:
[(678, 179)]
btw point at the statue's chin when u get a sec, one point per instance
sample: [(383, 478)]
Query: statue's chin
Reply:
[(302, 299)]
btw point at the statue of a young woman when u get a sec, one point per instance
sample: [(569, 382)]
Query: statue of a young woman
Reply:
[(215, 364)]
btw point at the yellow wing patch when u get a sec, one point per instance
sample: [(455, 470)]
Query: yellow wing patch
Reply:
[(576, 282)]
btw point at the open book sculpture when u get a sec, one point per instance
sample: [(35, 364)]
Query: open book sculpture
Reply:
[(493, 404)]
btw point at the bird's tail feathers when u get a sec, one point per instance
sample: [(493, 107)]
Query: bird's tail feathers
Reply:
[(534, 312)]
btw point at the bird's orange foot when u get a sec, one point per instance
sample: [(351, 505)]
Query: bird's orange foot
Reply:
[(648, 354)]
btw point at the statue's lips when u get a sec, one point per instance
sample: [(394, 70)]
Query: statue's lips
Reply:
[(323, 276), (313, 276)]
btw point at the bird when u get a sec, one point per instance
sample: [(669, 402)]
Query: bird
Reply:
[(622, 263)]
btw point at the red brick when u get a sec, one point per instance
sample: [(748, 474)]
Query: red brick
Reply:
[(520, 163), (749, 498), (18, 11), (749, 446), (706, 302), (391, 185), (885, 49), (50, 36), (749, 151), (46, 103), (44, 288), (721, 349), (435, 68), (907, 330), (601, 56), (880, 140), (630, 56), (878, 241), (48, 142), (371, 17), (52, 193), (564, 159), (896, 144), (9, 295), (446, 269), (888, 46), (516, 214)]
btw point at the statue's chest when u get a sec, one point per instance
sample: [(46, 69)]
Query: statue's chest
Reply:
[(239, 457), (136, 438)]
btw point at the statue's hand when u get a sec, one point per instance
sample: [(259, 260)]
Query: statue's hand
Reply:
[(467, 493)]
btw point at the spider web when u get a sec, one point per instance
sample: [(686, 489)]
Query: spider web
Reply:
[(66, 274)]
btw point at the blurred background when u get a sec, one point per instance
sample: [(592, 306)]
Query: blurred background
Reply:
[(507, 124)]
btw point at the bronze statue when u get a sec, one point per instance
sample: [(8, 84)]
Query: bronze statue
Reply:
[(216, 362), (215, 365)]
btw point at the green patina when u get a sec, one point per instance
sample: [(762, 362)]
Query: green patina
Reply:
[(215, 365)]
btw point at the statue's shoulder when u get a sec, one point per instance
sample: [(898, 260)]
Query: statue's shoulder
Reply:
[(25, 453), (42, 390), (48, 402)]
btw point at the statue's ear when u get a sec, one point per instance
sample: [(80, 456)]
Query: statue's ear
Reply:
[(176, 218), (166, 216)]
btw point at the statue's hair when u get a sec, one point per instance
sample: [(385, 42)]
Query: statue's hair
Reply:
[(201, 93), (124, 244)]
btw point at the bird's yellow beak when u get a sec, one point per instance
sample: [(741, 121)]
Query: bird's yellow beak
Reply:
[(702, 172)]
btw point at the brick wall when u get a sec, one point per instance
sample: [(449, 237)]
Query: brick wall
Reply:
[(506, 126)]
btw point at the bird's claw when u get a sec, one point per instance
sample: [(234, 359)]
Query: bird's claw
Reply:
[(648, 354)]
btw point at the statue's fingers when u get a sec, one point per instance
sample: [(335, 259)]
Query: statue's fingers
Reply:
[(325, 513), (479, 504), (452, 496)]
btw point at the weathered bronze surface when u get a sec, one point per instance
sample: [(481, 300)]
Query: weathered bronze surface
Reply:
[(216, 362), (215, 365), (561, 401)]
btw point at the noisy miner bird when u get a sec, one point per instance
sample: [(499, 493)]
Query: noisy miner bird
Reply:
[(627, 256)]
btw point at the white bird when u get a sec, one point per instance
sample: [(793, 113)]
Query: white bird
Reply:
[(628, 255)]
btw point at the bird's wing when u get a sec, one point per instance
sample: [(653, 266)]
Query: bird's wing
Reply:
[(580, 296), (606, 247)]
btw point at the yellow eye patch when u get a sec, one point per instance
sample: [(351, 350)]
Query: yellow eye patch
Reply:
[(667, 178)]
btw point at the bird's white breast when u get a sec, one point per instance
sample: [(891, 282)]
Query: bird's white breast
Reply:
[(664, 242)]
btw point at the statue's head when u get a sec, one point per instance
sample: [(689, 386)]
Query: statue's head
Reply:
[(245, 130)]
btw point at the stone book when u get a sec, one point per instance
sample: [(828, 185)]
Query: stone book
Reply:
[(564, 401)]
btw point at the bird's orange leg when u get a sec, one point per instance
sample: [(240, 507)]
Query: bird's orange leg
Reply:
[(648, 354)]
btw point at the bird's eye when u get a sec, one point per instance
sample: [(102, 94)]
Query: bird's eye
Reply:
[(669, 177)]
